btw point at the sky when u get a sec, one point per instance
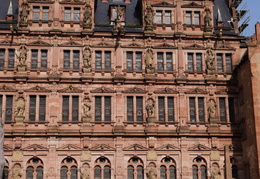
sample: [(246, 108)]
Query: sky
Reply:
[(254, 13)]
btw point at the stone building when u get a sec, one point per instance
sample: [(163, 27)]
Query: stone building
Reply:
[(126, 89)]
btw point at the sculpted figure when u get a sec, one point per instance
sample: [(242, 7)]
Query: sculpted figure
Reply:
[(87, 15), (24, 13), (87, 108), (23, 55), (87, 57), (16, 172), (119, 12), (150, 108), (149, 15), (212, 109), (210, 59), (215, 173), (149, 58), (207, 19), (20, 106), (152, 174), (84, 173)]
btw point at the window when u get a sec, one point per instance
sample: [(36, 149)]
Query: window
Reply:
[(234, 168), (134, 61), (37, 108), (163, 17), (166, 109), (39, 59), (227, 105), (135, 109), (102, 60), (72, 14), (40, 13), (11, 58), (192, 18), (222, 108), (231, 108), (69, 169), (135, 169), (168, 168), (195, 62), (6, 170), (224, 62), (70, 108), (6, 104), (102, 169), (103, 108), (199, 168), (71, 59), (2, 58), (34, 167), (164, 61), (197, 109)]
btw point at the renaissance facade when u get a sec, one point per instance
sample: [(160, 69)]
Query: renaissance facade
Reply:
[(122, 89)]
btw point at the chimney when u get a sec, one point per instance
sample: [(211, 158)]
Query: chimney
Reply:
[(219, 19), (257, 32), (10, 15)]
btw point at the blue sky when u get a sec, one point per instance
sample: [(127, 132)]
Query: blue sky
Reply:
[(254, 12)]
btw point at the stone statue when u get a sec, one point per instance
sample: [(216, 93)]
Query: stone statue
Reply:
[(149, 17), (23, 55), (24, 12), (20, 107), (152, 174), (215, 173), (16, 172), (84, 173), (149, 58), (119, 12), (87, 57), (150, 108), (207, 19), (87, 108), (212, 109), (87, 19), (210, 61)]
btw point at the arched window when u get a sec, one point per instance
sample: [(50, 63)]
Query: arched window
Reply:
[(69, 169), (102, 169), (199, 168), (168, 168), (234, 167), (34, 167), (6, 170), (135, 169)]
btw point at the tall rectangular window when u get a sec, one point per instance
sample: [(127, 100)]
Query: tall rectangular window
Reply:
[(107, 60), (220, 62), (167, 17), (44, 56), (34, 59), (129, 61), (134, 109), (45, 13), (159, 17), (66, 59), (188, 17), (36, 12), (65, 108), (36, 62), (192, 109), (169, 61), (201, 109), (103, 60), (42, 108), (75, 59), (71, 59), (228, 63), (67, 14), (161, 109), (190, 62), (70, 108), (11, 55), (76, 14), (222, 110), (164, 61), (198, 62), (130, 109), (231, 108), (2, 58), (195, 62), (134, 61), (196, 18), (75, 108), (37, 107), (9, 108), (160, 61), (98, 60), (32, 109), (139, 109), (138, 61), (166, 109), (103, 108)]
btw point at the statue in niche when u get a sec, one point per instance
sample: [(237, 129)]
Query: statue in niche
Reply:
[(23, 55), (210, 62), (152, 173), (215, 172), (212, 109), (87, 17), (149, 58), (85, 173), (149, 16), (87, 107), (24, 12), (150, 108), (87, 57), (207, 19), (16, 172), (119, 12), (20, 107)]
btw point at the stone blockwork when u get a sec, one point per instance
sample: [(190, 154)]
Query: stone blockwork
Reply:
[(125, 89)]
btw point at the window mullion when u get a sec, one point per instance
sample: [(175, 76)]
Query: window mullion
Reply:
[(227, 110), (166, 108), (70, 108), (134, 108), (37, 106), (102, 109), (197, 109)]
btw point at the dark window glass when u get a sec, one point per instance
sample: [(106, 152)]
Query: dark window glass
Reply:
[(201, 109), (130, 172), (169, 61), (160, 66), (188, 17), (29, 172), (36, 12), (98, 59), (228, 63), (167, 17), (45, 13), (107, 60), (5, 172), (32, 110), (97, 172), (65, 108), (44, 54), (75, 108), (192, 109), (199, 62), (98, 108), (203, 170), (107, 108), (66, 59), (161, 109), (34, 60), (222, 107), (9, 108), (129, 61), (2, 58), (140, 172), (67, 14), (107, 172), (130, 109), (194, 172), (196, 18), (231, 106), (170, 109), (234, 172), (77, 14), (220, 62), (42, 108), (39, 172), (63, 172), (139, 108), (1, 105), (190, 62), (11, 58), (138, 61), (172, 172), (74, 173), (75, 59), (163, 172), (159, 17)]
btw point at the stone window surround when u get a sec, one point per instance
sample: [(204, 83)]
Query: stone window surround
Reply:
[(6, 58), (202, 52), (163, 17), (197, 108), (27, 109), (192, 18), (29, 58), (174, 59)]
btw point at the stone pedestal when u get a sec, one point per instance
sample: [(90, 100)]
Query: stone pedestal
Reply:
[(119, 129), (151, 121), (19, 120), (21, 68), (149, 70), (86, 121), (208, 29), (87, 26), (86, 69), (210, 71), (149, 28)]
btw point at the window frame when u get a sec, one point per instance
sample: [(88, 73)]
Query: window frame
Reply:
[(72, 14), (194, 20), (197, 109), (4, 107), (37, 108), (168, 166), (68, 166), (227, 108), (71, 59), (135, 109), (222, 63), (40, 59), (135, 164), (163, 16), (41, 12), (165, 61), (35, 167), (103, 108), (102, 163), (199, 165), (194, 62), (103, 60), (166, 108), (70, 108)]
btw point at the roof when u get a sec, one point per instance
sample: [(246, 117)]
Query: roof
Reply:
[(3, 12)]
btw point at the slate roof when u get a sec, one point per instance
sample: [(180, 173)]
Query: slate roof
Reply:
[(4, 5)]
